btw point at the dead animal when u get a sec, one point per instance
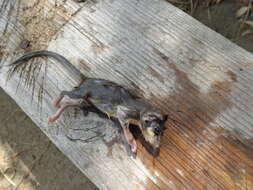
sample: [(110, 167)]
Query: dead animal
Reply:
[(110, 98)]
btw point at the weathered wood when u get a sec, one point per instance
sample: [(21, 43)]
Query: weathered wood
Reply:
[(200, 78)]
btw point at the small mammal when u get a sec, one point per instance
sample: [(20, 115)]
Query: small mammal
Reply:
[(111, 99)]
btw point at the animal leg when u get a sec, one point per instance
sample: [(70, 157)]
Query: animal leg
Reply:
[(122, 114), (130, 139), (61, 109), (57, 102), (77, 93)]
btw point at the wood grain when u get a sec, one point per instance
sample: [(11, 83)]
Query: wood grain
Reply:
[(202, 80)]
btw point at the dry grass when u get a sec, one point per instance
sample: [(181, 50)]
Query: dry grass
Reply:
[(244, 8)]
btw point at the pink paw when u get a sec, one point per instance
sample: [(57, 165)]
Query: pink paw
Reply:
[(133, 146), (52, 119)]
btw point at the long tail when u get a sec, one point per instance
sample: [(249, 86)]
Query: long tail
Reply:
[(30, 71), (45, 53)]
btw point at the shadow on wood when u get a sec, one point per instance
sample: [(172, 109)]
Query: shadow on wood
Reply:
[(199, 78)]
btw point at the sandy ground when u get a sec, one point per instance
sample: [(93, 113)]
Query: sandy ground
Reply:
[(24, 148)]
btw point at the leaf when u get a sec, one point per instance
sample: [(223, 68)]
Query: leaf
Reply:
[(240, 12), (249, 23), (246, 32), (218, 1)]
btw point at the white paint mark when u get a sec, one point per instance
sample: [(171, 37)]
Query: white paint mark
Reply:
[(146, 171), (243, 170), (180, 172), (156, 173)]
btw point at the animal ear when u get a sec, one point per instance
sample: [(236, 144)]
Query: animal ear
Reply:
[(165, 117)]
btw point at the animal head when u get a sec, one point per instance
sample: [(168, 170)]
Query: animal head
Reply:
[(152, 125)]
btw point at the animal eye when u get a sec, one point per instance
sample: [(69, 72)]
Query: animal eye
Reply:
[(158, 130), (146, 121)]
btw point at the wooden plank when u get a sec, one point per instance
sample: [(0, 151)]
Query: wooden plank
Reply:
[(200, 78)]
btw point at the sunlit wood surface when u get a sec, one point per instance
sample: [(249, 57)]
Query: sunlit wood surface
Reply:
[(202, 80)]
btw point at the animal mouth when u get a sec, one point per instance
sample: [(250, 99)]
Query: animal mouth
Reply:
[(153, 140)]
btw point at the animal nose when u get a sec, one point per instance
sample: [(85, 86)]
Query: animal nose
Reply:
[(158, 130)]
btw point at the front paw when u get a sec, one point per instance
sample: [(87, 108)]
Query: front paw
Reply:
[(129, 151), (133, 145), (133, 154)]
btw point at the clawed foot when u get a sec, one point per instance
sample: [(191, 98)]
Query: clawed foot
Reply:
[(60, 110), (52, 119)]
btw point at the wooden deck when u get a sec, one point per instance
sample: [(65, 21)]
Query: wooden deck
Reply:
[(202, 80)]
